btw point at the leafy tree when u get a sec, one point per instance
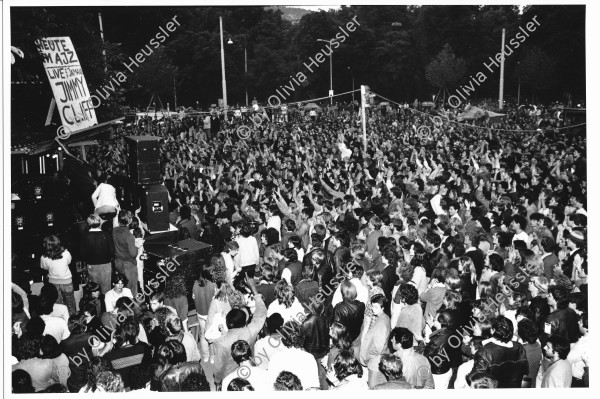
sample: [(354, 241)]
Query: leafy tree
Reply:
[(445, 69)]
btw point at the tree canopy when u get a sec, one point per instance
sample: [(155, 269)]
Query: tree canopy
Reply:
[(402, 52)]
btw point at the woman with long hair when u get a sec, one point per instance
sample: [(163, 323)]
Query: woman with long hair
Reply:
[(468, 277), (56, 259), (172, 368), (269, 239), (285, 303), (96, 366), (230, 251), (176, 297), (92, 293), (321, 262), (212, 235), (349, 373), (340, 341)]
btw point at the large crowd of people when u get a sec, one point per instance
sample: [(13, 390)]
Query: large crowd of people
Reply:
[(451, 260)]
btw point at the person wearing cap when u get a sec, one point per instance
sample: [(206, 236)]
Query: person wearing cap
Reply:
[(575, 265)]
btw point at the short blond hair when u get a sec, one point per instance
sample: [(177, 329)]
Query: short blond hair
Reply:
[(94, 221)]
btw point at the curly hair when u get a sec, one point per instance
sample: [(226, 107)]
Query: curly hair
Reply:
[(109, 381), (527, 331), (28, 348), (236, 300), (52, 248), (240, 384), (375, 277), (292, 334), (407, 293), (175, 287), (195, 382), (452, 299), (503, 329), (161, 317), (405, 272), (94, 368), (284, 294), (218, 270), (287, 381), (482, 381)]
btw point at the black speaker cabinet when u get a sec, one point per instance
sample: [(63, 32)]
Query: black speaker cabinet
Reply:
[(144, 159), (155, 207)]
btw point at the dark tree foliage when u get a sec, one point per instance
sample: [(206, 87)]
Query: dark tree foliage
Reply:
[(389, 51)]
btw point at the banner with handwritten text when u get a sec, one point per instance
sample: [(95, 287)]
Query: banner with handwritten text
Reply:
[(68, 83)]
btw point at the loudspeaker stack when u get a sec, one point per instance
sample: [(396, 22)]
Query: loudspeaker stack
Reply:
[(144, 171)]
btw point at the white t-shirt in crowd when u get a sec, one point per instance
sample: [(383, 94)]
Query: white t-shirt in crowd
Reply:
[(362, 293), (257, 377), (294, 312), (265, 348), (248, 254), (105, 195), (111, 297), (56, 326), (298, 362), (275, 222)]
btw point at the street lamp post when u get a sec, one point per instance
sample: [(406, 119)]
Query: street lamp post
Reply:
[(330, 66), (223, 70)]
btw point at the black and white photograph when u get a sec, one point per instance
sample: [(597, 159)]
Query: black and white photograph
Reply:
[(298, 196)]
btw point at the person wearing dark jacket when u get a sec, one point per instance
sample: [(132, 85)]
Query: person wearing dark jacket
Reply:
[(473, 252), (126, 350), (341, 255), (390, 277), (78, 350), (321, 260), (350, 312), (126, 251), (316, 338), (292, 272), (173, 368), (307, 287), (503, 359), (266, 286), (443, 349), (187, 224), (563, 320), (97, 250)]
